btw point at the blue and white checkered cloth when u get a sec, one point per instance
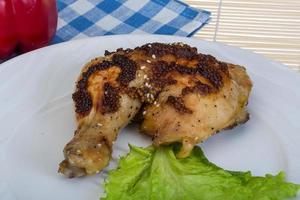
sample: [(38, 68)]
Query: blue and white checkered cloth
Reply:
[(87, 18)]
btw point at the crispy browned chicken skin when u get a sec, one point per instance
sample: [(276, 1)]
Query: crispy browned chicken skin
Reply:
[(182, 95)]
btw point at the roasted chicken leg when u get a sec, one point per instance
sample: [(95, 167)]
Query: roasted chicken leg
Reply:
[(182, 96)]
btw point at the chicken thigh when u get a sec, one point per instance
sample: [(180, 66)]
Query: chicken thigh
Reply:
[(182, 95)]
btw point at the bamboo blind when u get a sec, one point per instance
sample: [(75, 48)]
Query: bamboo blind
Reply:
[(268, 27)]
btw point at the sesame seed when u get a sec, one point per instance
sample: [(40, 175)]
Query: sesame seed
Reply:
[(147, 85), (153, 56), (145, 76), (157, 105), (148, 61), (149, 45), (105, 92), (99, 124), (144, 113), (99, 145), (143, 67), (78, 151)]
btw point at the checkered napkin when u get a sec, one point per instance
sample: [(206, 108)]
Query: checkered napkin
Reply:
[(86, 18)]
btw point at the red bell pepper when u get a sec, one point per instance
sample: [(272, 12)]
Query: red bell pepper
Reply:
[(26, 25)]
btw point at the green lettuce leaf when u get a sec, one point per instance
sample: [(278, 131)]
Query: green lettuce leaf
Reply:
[(156, 174)]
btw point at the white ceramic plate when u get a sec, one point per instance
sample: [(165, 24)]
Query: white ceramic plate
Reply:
[(37, 118)]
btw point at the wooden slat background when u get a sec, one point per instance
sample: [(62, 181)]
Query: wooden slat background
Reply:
[(268, 27)]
